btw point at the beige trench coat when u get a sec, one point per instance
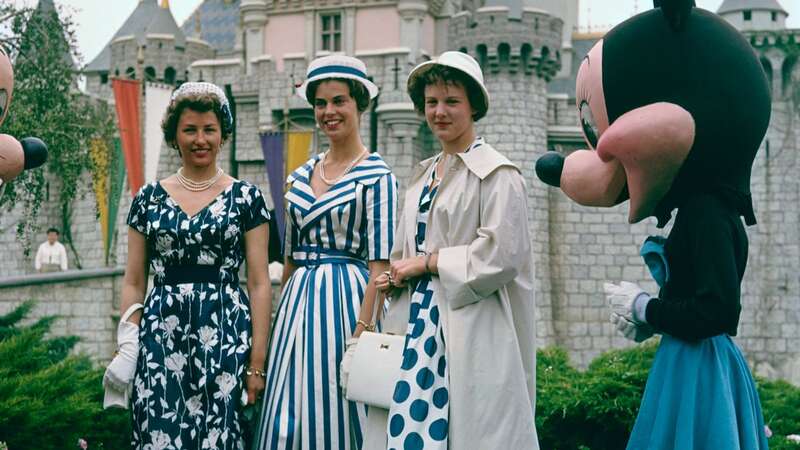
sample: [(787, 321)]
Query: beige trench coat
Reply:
[(479, 225)]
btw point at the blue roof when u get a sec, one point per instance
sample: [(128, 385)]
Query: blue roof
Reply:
[(218, 23)]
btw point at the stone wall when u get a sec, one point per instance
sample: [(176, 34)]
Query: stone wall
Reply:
[(85, 301)]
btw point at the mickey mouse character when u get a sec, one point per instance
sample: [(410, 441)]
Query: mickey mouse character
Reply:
[(15, 156), (674, 105)]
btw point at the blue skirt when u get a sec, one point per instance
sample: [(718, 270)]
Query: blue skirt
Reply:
[(699, 396)]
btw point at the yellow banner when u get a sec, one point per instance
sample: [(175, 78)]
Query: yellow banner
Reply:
[(298, 145), (98, 151)]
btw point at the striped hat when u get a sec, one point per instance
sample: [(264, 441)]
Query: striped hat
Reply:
[(337, 66)]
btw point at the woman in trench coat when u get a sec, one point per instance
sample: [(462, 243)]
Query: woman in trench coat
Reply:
[(460, 283)]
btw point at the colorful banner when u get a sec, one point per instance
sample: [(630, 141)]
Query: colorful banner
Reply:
[(156, 101), (116, 177), (272, 147), (298, 145), (126, 97), (98, 152)]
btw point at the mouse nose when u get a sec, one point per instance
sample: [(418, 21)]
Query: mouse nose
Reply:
[(549, 167), (35, 152)]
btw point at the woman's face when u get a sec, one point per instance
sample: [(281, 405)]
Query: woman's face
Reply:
[(447, 111), (335, 110), (199, 137)]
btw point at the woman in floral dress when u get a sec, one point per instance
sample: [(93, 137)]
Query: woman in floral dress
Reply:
[(200, 335)]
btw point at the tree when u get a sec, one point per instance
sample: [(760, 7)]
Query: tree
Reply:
[(51, 398), (47, 104)]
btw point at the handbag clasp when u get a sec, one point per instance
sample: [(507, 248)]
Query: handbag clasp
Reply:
[(384, 347)]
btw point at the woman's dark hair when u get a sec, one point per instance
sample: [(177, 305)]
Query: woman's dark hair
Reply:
[(437, 73), (358, 91), (196, 102)]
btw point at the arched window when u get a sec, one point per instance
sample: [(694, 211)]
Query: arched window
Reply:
[(130, 72), (169, 75), (150, 73)]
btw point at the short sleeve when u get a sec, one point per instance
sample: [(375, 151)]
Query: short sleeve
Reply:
[(381, 210), (137, 216), (255, 208)]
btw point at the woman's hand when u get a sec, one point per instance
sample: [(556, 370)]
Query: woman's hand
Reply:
[(255, 385), (382, 282), (401, 271)]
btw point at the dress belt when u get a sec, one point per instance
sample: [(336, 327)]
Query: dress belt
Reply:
[(194, 274), (314, 256)]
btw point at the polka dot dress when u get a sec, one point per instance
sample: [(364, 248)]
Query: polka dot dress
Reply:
[(418, 416)]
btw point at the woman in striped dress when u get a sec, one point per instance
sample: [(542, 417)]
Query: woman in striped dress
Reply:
[(340, 228)]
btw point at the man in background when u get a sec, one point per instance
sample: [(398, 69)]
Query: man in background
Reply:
[(51, 256)]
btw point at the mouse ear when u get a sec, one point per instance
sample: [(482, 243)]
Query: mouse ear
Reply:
[(675, 11)]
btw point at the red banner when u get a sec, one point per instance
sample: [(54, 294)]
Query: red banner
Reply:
[(126, 95)]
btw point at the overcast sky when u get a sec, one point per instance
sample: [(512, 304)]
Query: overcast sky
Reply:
[(98, 20)]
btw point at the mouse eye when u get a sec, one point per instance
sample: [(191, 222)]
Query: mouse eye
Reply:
[(588, 124)]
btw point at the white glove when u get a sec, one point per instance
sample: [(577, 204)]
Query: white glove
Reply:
[(630, 330), (627, 300), (121, 370), (344, 367)]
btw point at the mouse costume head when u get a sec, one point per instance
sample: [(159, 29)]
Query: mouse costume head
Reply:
[(672, 102), (15, 156)]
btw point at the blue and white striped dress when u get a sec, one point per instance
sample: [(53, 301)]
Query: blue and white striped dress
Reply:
[(330, 239)]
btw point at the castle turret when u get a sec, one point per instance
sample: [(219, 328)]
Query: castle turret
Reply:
[(748, 15), (149, 45), (518, 56), (254, 19)]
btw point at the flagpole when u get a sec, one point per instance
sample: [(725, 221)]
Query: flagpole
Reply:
[(140, 77)]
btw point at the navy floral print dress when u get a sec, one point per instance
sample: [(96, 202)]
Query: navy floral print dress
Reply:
[(195, 331)]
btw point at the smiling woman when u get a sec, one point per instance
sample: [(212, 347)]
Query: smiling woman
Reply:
[(202, 350)]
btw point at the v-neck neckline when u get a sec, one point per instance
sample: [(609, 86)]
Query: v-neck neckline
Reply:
[(331, 187), (211, 202)]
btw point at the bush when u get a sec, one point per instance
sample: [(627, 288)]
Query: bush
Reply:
[(49, 399), (596, 409)]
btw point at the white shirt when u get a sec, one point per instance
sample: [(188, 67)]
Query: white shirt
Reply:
[(51, 254)]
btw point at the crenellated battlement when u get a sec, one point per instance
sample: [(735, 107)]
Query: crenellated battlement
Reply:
[(779, 52), (529, 45)]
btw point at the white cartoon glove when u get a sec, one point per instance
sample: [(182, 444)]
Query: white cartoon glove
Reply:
[(627, 300), (630, 330), (344, 367)]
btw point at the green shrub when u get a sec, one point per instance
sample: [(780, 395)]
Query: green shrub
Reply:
[(49, 398), (595, 409)]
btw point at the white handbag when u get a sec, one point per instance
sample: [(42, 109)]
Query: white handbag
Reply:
[(375, 368), (371, 369)]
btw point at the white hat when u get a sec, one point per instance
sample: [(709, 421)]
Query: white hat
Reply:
[(457, 60), (337, 66), (203, 88)]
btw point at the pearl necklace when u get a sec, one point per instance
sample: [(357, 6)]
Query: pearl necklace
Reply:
[(197, 186), (345, 172)]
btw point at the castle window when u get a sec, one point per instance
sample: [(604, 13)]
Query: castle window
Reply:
[(748, 15), (103, 77), (774, 16), (130, 72), (331, 32), (150, 73), (169, 75)]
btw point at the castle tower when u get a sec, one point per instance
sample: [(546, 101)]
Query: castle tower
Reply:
[(149, 45), (518, 56), (770, 292), (748, 15), (254, 18)]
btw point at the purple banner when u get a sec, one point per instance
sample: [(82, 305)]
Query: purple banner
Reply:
[(274, 161)]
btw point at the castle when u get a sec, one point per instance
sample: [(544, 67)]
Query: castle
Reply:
[(530, 53)]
